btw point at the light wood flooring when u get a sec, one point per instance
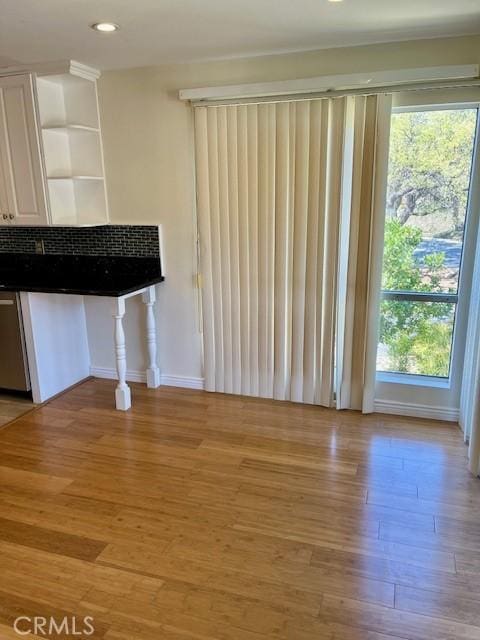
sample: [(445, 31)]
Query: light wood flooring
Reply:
[(12, 406), (203, 516)]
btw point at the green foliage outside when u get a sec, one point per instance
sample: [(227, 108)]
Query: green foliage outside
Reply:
[(417, 334), (429, 166), (429, 173)]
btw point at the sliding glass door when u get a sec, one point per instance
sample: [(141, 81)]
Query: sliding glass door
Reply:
[(427, 214)]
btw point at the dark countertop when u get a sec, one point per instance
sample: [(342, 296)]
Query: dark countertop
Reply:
[(82, 275)]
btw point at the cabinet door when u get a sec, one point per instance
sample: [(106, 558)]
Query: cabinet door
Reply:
[(20, 156), (4, 199), (6, 205)]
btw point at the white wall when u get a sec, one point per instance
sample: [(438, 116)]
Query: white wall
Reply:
[(149, 166), (56, 341)]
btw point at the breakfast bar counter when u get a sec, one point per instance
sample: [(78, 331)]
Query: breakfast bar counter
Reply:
[(52, 326)]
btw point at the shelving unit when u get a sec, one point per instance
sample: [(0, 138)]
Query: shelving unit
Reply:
[(72, 148)]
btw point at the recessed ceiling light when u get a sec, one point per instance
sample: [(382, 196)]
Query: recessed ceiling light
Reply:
[(335, 0), (106, 27)]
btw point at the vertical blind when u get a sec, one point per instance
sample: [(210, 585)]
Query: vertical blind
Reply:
[(281, 189), (361, 249)]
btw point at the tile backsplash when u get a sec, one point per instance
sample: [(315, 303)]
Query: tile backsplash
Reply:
[(112, 240)]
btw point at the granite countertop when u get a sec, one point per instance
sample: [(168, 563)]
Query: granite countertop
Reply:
[(83, 275)]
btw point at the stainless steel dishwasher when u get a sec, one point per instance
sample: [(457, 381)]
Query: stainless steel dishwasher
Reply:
[(13, 356)]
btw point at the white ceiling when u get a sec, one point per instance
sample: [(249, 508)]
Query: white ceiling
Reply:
[(161, 31)]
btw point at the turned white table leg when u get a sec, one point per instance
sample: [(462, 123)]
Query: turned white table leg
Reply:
[(153, 372), (122, 392)]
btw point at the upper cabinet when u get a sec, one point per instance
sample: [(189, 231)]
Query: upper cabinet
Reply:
[(22, 187), (58, 145)]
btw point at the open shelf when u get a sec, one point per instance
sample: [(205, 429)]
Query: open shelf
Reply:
[(65, 128), (66, 100), (75, 178), (77, 201), (72, 151)]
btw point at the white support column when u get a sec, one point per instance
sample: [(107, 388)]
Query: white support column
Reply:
[(122, 392), (153, 372)]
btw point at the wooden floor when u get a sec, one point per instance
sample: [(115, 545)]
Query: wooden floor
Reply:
[(202, 516), (12, 407)]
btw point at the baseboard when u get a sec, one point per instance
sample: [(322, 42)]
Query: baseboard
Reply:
[(448, 414), (182, 381), (381, 406), (111, 374), (141, 376)]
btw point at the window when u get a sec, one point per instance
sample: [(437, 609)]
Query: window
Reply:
[(429, 174)]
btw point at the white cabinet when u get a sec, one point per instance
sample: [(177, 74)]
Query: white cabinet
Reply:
[(51, 157), (22, 189)]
